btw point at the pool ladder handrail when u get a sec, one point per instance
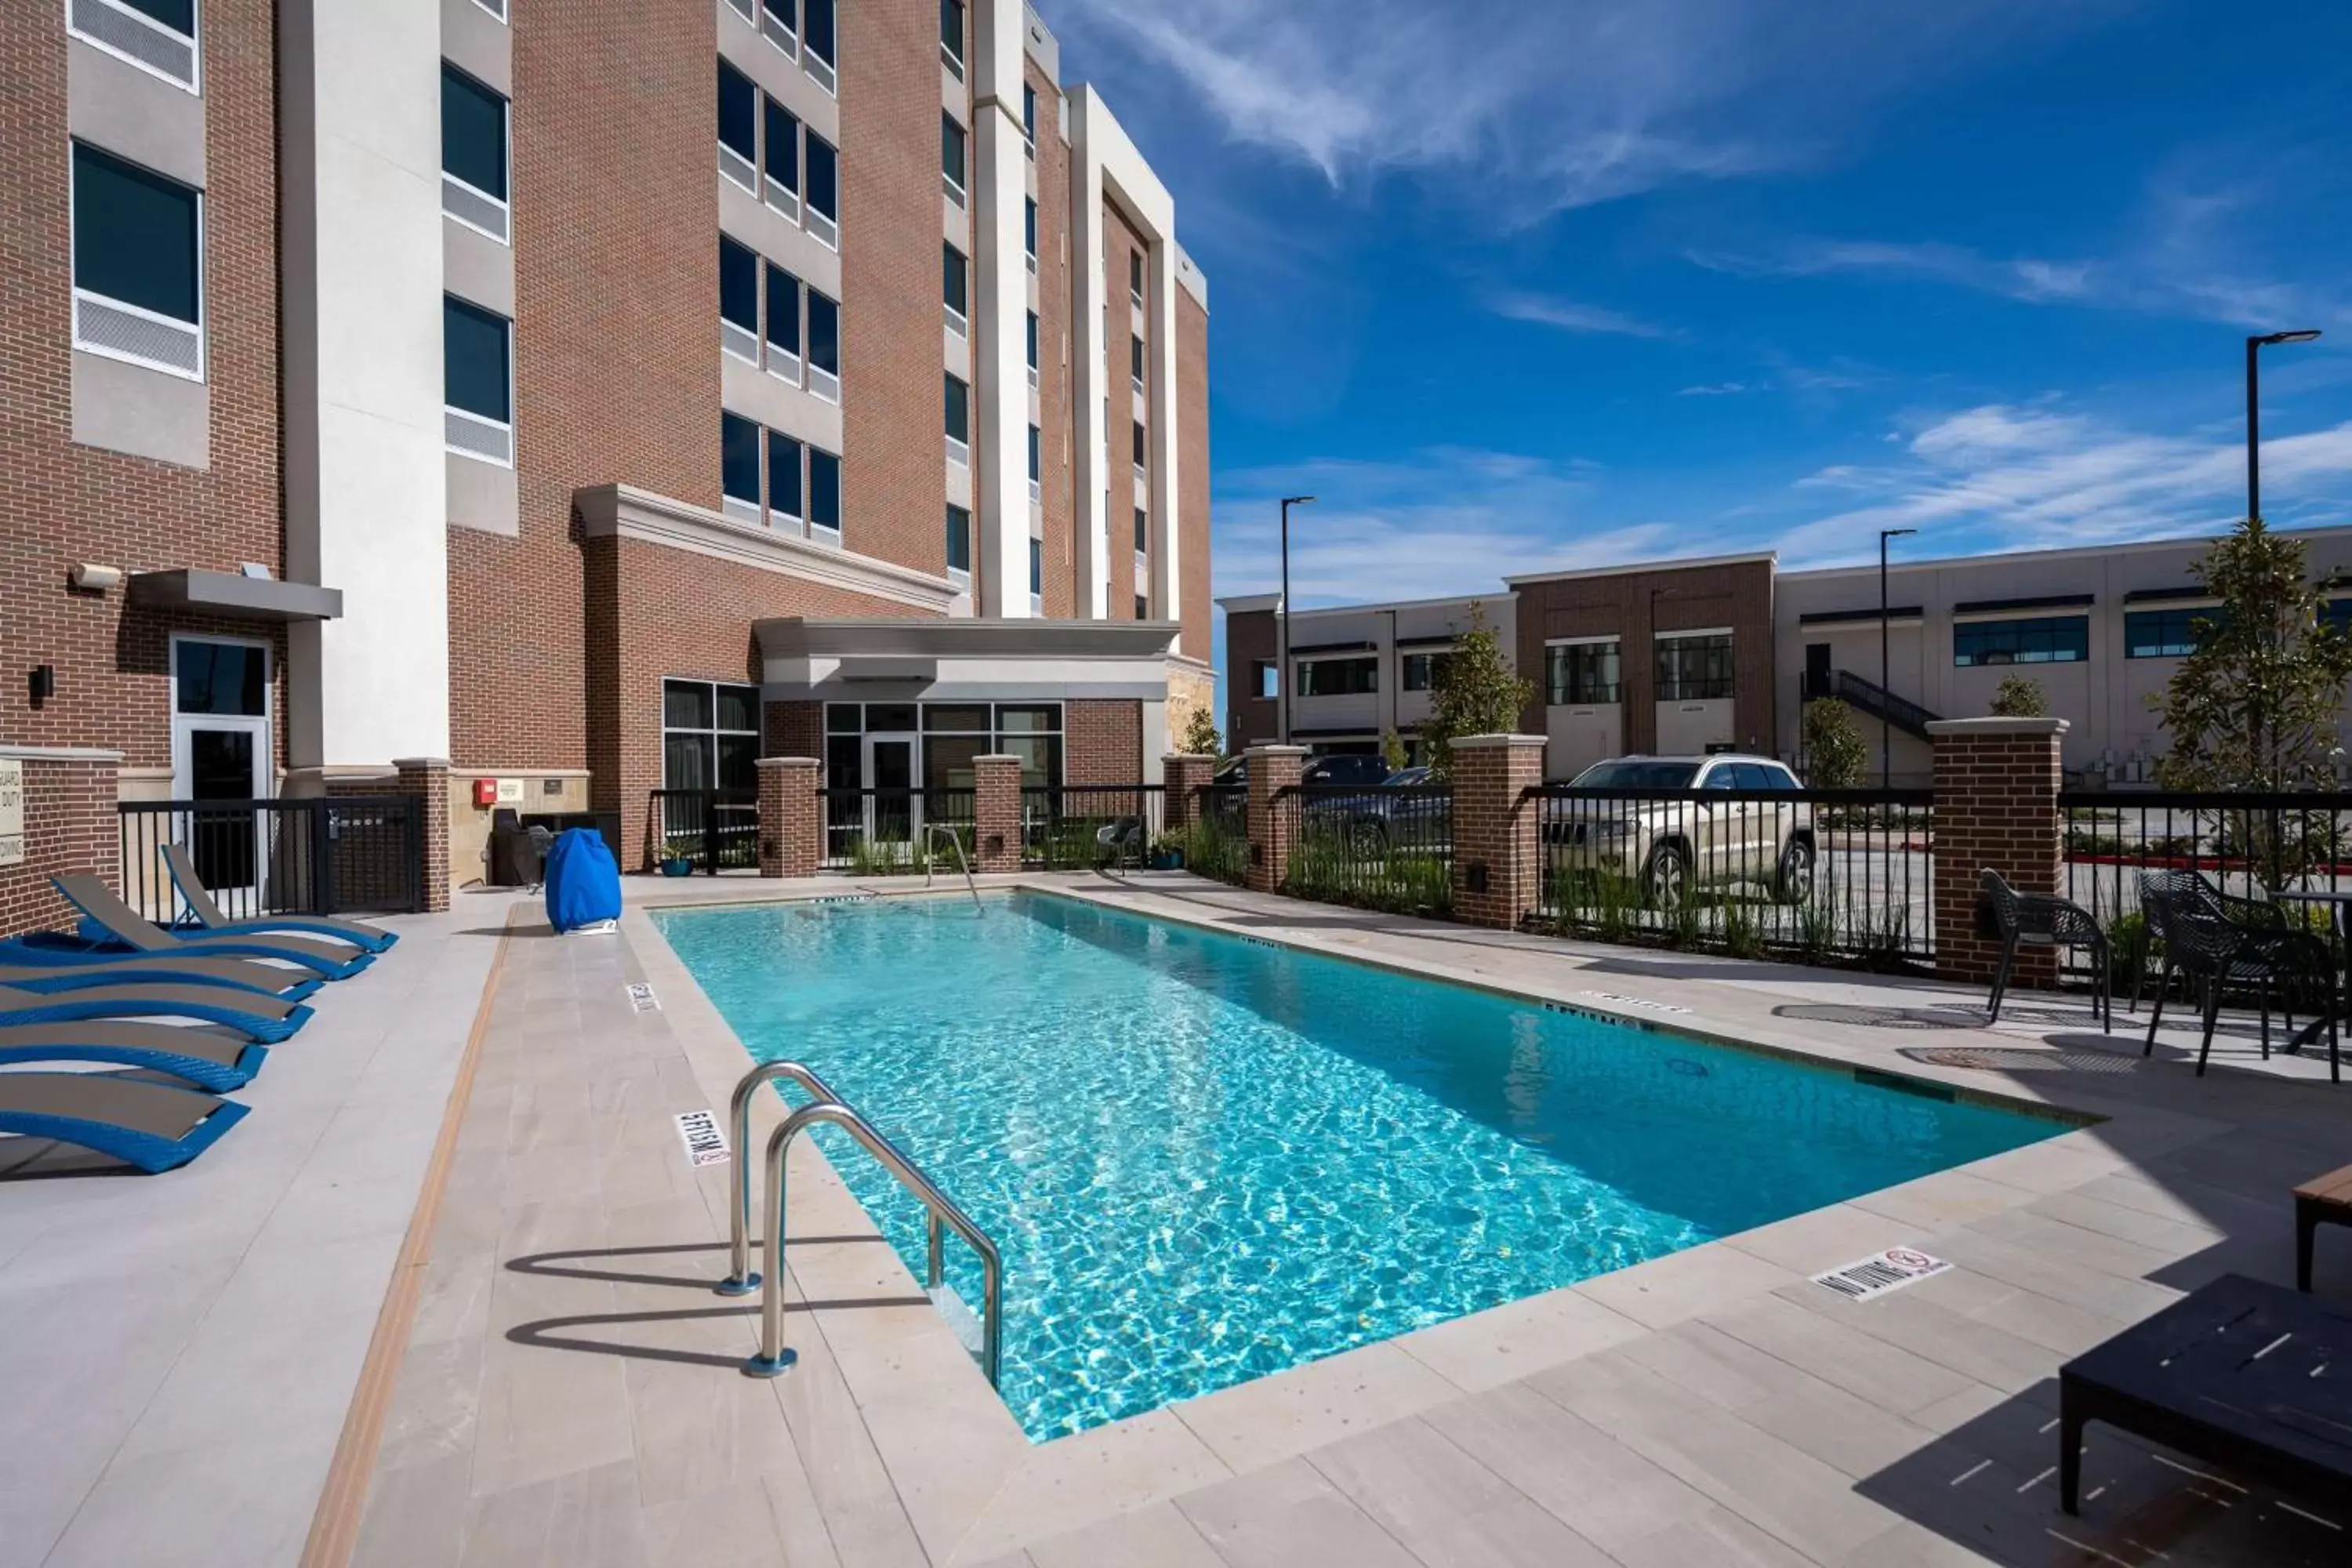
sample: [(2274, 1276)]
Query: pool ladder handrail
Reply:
[(942, 1214), (931, 832)]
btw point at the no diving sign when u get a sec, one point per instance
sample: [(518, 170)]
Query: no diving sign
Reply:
[(699, 1131)]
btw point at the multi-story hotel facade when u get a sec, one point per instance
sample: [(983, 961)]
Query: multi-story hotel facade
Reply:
[(597, 396)]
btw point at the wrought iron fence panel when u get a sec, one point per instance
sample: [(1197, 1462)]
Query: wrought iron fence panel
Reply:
[(1076, 827), (711, 829), (1388, 846), (320, 855), (886, 832)]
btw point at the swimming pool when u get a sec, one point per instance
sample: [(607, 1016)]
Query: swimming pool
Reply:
[(1206, 1159)]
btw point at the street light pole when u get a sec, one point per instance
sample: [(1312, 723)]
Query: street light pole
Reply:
[(1282, 659), (2254, 345), (1885, 690)]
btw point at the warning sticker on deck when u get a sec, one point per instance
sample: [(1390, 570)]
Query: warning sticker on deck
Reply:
[(1642, 1001), (705, 1143), (1881, 1272), (641, 997)]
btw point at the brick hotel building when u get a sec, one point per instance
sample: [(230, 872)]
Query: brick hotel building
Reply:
[(593, 396)]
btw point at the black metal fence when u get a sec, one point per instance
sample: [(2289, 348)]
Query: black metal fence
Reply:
[(712, 830), (1075, 827), (1217, 843), (1815, 873), (317, 855), (1386, 847), (886, 831), (2257, 846)]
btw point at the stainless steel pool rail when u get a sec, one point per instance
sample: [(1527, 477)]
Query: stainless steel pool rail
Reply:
[(774, 1355), (932, 831), (740, 1280)]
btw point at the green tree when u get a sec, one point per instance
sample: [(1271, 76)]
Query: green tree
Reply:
[(1475, 691), (1834, 754), (1392, 749), (2254, 706), (2018, 698), (1201, 737)]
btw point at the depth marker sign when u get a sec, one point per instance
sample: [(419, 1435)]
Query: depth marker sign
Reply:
[(705, 1143), (641, 997), (1881, 1272)]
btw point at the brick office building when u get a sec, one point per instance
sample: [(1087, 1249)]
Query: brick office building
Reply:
[(369, 351)]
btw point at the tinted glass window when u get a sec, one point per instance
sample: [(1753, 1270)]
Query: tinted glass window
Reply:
[(1142, 530), (952, 27), (739, 285), (784, 310), (1694, 670), (1581, 672), (180, 15), (822, 191), (134, 236), (1421, 670), (1338, 677), (784, 475), (1036, 471), (1029, 225), (824, 332), (1139, 443), (220, 677), (1638, 774), (739, 111), (473, 132), (959, 541), (1029, 111), (816, 31), (954, 274), (782, 154), (1033, 340), (686, 705), (738, 457), (1036, 567), (2168, 634), (959, 401), (2051, 640), (950, 147), (474, 360), (825, 489), (1135, 356)]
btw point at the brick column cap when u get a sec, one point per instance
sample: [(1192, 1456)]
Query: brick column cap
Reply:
[(1187, 757), (1477, 742), (58, 755), (1278, 752), (1992, 725), (785, 762), (421, 764), (997, 757)]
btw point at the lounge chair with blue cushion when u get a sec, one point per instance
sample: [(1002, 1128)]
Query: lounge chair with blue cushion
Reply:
[(199, 1054), (238, 973), (124, 925), (269, 1020), (150, 1125), (203, 915)]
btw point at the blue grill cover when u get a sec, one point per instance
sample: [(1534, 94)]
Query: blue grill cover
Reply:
[(583, 886)]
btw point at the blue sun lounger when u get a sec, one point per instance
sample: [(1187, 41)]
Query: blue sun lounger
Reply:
[(203, 917), (148, 1125), (236, 973), (269, 1020), (124, 925), (199, 1054)]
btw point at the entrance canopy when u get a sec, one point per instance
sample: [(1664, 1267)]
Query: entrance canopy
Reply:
[(867, 659)]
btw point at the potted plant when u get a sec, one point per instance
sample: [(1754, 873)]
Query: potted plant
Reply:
[(1168, 852), (676, 866)]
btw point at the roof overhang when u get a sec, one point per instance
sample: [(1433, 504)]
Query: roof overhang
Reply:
[(234, 596), (854, 659)]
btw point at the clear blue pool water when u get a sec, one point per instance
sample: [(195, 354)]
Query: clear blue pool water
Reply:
[(1206, 1159)]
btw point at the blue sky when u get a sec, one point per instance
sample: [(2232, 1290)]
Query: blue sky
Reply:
[(1517, 284)]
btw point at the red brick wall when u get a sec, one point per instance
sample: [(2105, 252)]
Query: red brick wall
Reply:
[(1250, 641), (1192, 473), (1273, 828), (1102, 742), (894, 462), (1495, 832), (61, 504), (70, 825), (792, 828), (1996, 805), (795, 729), (1054, 410)]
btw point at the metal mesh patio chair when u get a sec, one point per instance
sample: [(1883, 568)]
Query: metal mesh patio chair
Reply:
[(2043, 920), (2215, 952), (2258, 915)]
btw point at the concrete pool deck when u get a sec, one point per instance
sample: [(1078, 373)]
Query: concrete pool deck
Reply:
[(562, 1386)]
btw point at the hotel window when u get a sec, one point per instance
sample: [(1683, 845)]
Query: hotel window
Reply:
[(1268, 683), (1419, 671), (159, 37), (1036, 465), (825, 492), (1029, 231), (1138, 446), (777, 21), (824, 346), (1135, 360), (784, 324), (472, 153), (710, 735), (2049, 639), (2337, 614), (952, 156), (955, 287), (817, 41), (1033, 351), (1338, 677), (739, 466), (2166, 634), (1581, 672), (138, 265), (1694, 669), (779, 157), (1142, 531), (958, 409), (1134, 276), (1029, 116), (821, 190), (478, 382), (783, 478), (1037, 573), (739, 300), (959, 543), (1142, 608), (951, 35), (738, 127)]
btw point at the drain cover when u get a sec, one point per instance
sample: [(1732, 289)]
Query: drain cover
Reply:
[(1992, 1059)]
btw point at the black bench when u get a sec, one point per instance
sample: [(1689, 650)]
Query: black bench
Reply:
[(2252, 1377)]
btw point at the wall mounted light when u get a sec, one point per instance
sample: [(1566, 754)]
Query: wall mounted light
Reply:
[(92, 578)]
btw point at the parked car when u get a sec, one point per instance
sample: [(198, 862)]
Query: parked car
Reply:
[(1408, 808), (1336, 768), (1673, 824)]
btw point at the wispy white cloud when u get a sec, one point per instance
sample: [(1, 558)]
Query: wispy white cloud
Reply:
[(1717, 389), (2027, 278), (1568, 316)]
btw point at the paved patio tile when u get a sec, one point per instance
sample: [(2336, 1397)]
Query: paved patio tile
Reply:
[(1288, 1516), (1256, 1424), (1666, 1291), (1158, 1536), (1494, 1347)]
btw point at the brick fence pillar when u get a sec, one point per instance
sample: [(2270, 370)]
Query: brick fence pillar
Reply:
[(1184, 774), (997, 813), (791, 817), (1497, 868), (57, 817), (1996, 804), (1273, 829), (426, 781)]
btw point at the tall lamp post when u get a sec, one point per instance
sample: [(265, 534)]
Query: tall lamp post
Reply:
[(2255, 346), (1885, 690), (1282, 659)]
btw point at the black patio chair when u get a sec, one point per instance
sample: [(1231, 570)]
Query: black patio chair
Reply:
[(2258, 915), (2217, 953), (2043, 919)]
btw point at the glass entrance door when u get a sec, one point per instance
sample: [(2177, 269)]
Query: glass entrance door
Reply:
[(893, 812), (221, 753)]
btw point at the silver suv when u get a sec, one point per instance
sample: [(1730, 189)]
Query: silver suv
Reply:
[(1674, 824)]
